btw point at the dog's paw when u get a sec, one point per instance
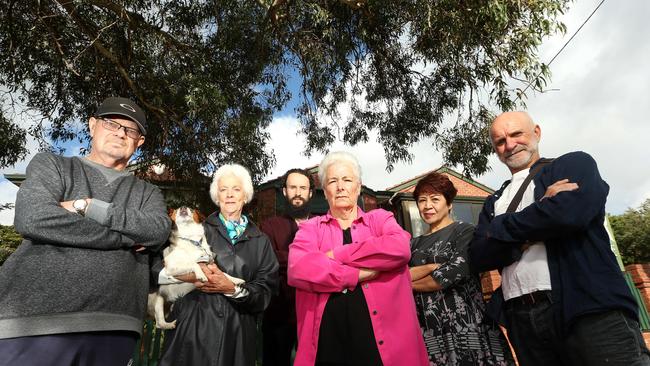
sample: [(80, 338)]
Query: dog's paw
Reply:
[(166, 325), (202, 277)]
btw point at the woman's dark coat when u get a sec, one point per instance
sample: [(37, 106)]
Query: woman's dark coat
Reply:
[(213, 329)]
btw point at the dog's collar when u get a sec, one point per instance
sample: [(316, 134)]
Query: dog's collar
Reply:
[(195, 242), (206, 257)]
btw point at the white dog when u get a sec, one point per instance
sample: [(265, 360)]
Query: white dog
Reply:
[(187, 248)]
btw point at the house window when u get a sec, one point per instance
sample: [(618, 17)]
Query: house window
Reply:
[(462, 210), (466, 211)]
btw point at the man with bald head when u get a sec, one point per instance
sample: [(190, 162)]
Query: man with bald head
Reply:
[(563, 298)]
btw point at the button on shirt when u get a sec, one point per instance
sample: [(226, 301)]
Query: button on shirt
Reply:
[(530, 273)]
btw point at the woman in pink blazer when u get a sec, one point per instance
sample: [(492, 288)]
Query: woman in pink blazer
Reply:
[(354, 301)]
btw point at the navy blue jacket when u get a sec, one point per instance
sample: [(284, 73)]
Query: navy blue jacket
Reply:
[(585, 276)]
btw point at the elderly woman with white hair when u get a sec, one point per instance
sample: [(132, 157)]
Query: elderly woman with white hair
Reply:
[(353, 289), (216, 324)]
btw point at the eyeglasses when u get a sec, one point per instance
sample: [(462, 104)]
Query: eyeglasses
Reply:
[(111, 125)]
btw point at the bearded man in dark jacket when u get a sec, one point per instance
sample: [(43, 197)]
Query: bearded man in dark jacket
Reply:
[(279, 324)]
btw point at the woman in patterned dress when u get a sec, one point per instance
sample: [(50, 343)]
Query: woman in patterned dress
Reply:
[(448, 297)]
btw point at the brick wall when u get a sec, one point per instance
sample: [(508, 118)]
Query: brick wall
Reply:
[(463, 188), (314, 176), (466, 189), (646, 338), (490, 281), (641, 278), (264, 204)]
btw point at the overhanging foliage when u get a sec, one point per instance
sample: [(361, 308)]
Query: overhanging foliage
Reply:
[(210, 74)]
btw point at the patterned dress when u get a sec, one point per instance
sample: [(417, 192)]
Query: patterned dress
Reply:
[(452, 318)]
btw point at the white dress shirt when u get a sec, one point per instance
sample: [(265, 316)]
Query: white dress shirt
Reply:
[(530, 273)]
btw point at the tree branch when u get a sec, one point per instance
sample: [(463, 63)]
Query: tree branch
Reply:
[(99, 34), (97, 44), (137, 21)]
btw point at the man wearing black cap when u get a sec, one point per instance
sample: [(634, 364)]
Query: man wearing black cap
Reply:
[(74, 292)]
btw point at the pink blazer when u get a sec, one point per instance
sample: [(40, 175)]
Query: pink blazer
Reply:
[(378, 243)]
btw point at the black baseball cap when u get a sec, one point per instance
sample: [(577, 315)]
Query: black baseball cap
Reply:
[(123, 107)]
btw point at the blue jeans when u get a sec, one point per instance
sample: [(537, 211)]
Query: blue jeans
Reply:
[(608, 338)]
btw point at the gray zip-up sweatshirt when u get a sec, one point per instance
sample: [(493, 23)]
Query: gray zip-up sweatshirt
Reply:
[(74, 273)]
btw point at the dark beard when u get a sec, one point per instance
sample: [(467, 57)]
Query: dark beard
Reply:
[(301, 212)]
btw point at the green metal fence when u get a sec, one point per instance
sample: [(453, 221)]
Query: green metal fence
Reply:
[(147, 351)]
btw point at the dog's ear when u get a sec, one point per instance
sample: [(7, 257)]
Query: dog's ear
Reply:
[(198, 216), (172, 213)]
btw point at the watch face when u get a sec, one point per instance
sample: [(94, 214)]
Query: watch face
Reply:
[(79, 205)]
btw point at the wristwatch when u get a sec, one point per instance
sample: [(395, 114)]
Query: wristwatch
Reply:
[(80, 206)]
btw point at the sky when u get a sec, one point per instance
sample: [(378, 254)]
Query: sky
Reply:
[(599, 103)]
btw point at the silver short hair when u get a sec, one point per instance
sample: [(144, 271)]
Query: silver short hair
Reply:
[(237, 171), (338, 157)]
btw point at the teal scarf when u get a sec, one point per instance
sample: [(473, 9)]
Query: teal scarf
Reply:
[(234, 228)]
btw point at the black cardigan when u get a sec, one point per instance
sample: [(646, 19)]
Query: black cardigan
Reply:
[(585, 276)]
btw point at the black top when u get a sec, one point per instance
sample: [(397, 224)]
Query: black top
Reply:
[(451, 318), (346, 336), (282, 310)]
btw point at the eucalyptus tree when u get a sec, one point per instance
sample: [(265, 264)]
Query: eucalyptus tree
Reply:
[(212, 73)]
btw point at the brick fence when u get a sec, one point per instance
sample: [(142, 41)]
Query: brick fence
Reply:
[(641, 278)]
